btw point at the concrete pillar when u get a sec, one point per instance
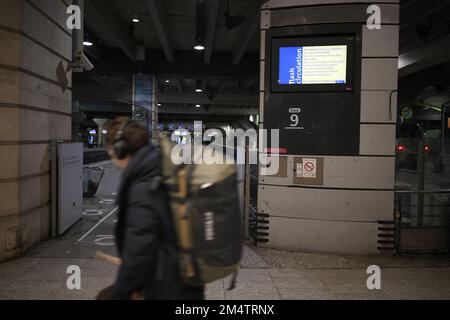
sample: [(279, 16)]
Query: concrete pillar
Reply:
[(35, 108), (330, 194)]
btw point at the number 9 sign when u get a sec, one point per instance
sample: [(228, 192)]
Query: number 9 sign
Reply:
[(294, 120), (291, 119)]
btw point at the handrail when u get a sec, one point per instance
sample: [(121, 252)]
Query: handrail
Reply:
[(443, 191)]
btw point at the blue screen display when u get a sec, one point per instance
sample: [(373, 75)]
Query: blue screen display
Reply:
[(291, 59)]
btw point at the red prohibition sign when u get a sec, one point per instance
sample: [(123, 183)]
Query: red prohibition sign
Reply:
[(309, 166)]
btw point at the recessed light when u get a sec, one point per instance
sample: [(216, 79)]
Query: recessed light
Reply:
[(135, 18), (167, 81), (198, 90), (159, 104), (199, 47), (197, 106), (87, 44)]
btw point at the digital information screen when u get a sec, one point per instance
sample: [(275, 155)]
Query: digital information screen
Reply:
[(313, 65)]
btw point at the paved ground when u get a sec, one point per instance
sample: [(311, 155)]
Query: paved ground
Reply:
[(265, 274)]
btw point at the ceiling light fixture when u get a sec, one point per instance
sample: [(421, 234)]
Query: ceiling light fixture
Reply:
[(197, 106), (199, 47), (135, 18), (88, 41), (200, 25)]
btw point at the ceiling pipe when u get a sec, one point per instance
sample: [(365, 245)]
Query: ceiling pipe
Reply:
[(200, 25)]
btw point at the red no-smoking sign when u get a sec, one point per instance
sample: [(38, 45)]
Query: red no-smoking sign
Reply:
[(309, 166)]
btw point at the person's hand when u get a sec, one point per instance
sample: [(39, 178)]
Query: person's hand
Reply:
[(137, 295)]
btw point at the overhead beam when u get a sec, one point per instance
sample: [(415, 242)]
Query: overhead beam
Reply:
[(102, 92), (410, 86), (105, 107), (250, 27), (94, 52), (424, 57), (188, 64), (213, 10), (179, 85), (161, 27), (208, 119), (408, 4), (104, 11), (231, 99), (223, 84), (421, 14), (160, 87), (100, 81), (205, 79), (205, 84), (213, 110), (439, 26), (250, 82)]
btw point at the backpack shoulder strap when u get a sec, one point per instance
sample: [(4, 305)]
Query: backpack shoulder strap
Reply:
[(155, 183)]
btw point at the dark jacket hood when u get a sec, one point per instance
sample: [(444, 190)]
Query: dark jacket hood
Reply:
[(143, 166)]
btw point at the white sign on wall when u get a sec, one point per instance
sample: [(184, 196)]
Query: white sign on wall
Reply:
[(70, 185)]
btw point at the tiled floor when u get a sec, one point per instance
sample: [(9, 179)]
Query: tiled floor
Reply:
[(45, 278), (265, 274), (340, 278)]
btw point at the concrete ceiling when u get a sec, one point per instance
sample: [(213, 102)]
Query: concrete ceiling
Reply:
[(424, 48), (170, 23), (229, 68), (424, 35)]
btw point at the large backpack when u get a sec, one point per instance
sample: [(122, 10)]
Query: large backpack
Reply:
[(204, 203)]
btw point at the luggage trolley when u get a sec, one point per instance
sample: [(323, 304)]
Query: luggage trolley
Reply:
[(92, 176)]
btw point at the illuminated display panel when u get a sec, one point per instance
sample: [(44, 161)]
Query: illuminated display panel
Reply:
[(316, 64), (313, 65)]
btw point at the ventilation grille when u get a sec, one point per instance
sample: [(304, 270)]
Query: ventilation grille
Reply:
[(386, 237)]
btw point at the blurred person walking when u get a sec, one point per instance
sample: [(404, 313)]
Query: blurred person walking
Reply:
[(145, 227)]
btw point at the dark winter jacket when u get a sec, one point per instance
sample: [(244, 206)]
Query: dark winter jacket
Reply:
[(144, 225)]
